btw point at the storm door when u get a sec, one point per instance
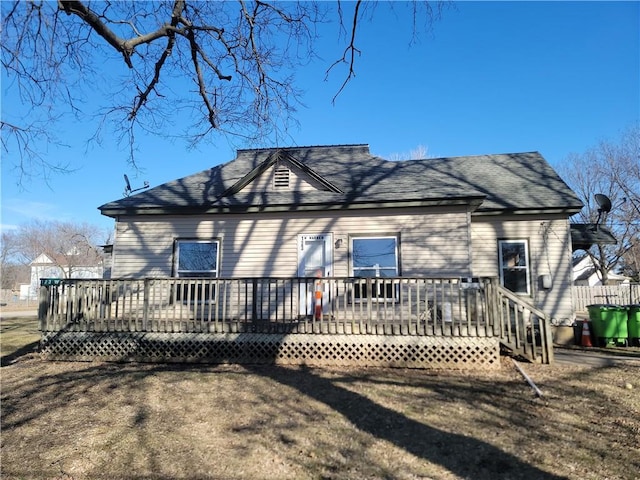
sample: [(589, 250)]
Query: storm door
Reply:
[(315, 260)]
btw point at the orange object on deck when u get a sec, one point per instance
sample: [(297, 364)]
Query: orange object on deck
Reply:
[(318, 310)]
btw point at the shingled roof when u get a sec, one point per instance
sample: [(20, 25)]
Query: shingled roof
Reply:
[(353, 178)]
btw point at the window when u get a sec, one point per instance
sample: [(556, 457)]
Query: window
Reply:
[(514, 265), (196, 259), (374, 257)]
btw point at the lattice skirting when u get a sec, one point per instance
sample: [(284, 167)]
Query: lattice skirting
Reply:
[(253, 348)]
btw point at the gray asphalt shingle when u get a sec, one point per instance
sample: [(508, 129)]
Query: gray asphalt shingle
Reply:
[(505, 182)]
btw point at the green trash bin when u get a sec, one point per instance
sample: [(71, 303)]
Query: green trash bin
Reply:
[(609, 323), (633, 324)]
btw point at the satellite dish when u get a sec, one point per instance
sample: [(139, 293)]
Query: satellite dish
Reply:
[(604, 205), (127, 186)]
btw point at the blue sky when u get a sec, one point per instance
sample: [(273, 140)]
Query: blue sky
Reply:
[(491, 77)]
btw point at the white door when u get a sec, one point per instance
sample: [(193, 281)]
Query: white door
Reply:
[(315, 260)]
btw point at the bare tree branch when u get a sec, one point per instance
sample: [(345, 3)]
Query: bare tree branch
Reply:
[(611, 168), (242, 56), (78, 8), (349, 52), (141, 99)]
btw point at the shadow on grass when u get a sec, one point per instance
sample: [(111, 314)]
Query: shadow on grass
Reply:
[(24, 350), (462, 455)]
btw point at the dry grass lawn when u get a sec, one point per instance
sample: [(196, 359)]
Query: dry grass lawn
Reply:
[(18, 335), (156, 421)]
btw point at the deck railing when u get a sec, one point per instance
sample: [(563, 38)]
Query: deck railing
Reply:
[(396, 306), (522, 327), (339, 305)]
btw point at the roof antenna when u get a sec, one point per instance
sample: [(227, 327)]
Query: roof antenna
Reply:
[(127, 186), (605, 207)]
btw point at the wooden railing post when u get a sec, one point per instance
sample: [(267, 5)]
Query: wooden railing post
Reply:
[(368, 295), (43, 306), (254, 300), (145, 303), (547, 339), (491, 302)]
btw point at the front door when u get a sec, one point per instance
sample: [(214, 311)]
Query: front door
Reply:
[(315, 260)]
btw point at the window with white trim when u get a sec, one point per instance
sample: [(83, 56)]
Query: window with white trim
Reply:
[(196, 259), (514, 265), (374, 257)]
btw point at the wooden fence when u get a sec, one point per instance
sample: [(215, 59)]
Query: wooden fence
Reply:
[(624, 294)]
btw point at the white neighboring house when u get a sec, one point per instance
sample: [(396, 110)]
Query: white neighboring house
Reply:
[(586, 274), (44, 266)]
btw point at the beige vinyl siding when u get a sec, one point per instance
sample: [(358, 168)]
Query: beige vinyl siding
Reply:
[(549, 254), (433, 243)]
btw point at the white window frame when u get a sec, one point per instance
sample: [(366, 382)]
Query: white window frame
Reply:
[(205, 293), (526, 267), (378, 297), (213, 272)]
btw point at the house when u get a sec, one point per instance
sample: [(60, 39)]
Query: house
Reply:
[(61, 266), (291, 211), (325, 242), (585, 273)]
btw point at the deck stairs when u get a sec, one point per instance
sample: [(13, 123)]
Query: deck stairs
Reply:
[(524, 330)]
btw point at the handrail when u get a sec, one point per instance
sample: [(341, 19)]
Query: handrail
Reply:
[(523, 327), (520, 301)]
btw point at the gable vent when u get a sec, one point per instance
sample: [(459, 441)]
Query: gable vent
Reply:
[(281, 178)]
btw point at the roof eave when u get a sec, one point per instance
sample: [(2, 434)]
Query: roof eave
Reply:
[(527, 211), (113, 212), (585, 235)]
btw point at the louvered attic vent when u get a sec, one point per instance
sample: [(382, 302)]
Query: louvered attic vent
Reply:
[(281, 177)]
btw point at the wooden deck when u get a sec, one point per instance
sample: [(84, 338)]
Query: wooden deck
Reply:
[(393, 321)]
